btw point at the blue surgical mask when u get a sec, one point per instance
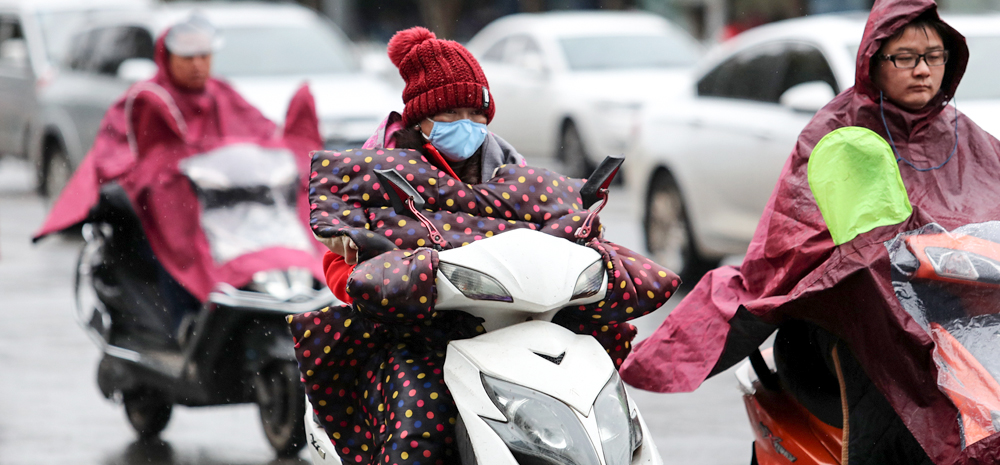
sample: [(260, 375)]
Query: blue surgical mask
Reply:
[(457, 140)]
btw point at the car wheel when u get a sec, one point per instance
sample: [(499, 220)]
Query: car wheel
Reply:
[(281, 398), (572, 154), (56, 171), (148, 410), (668, 233)]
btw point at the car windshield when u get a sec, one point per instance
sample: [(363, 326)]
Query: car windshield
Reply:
[(270, 51), (628, 52), (979, 81), (57, 27)]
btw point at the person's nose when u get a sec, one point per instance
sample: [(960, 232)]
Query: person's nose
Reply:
[(922, 69)]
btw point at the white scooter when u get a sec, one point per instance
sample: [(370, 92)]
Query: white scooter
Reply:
[(528, 391)]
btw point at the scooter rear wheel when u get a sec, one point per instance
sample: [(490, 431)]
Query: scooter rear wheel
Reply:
[(281, 398), (147, 410)]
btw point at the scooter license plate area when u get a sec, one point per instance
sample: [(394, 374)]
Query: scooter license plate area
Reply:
[(949, 283), (248, 196)]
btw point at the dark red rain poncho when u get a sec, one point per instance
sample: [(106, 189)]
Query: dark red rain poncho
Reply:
[(794, 270), (373, 370), (143, 136)]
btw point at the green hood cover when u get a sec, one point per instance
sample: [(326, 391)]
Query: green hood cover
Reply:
[(855, 179)]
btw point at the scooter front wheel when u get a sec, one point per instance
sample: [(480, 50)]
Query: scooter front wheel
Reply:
[(147, 410), (281, 398)]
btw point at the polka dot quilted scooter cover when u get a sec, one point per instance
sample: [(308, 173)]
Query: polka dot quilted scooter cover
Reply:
[(347, 354)]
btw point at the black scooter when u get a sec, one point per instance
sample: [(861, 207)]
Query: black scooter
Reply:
[(234, 348)]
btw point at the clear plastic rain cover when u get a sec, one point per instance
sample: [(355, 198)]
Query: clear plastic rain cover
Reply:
[(248, 196), (949, 282)]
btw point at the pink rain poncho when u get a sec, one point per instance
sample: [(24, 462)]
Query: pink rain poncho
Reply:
[(144, 135)]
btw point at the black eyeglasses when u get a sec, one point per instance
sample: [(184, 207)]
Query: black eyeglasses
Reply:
[(911, 60)]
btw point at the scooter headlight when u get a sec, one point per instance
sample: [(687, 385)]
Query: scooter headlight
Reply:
[(616, 424), (539, 429), (589, 282), (473, 284), (961, 264), (283, 285)]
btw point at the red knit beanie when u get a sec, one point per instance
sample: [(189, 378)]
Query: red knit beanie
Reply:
[(439, 74)]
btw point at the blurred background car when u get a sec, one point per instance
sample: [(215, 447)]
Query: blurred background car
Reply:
[(268, 51), (706, 163), (33, 39), (572, 84)]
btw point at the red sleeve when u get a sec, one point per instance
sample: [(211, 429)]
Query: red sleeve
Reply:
[(337, 271)]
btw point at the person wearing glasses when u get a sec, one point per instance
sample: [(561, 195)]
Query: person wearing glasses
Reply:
[(827, 290), (909, 68)]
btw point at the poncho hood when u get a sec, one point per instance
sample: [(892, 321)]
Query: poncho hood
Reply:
[(793, 269), (886, 18), (213, 112)]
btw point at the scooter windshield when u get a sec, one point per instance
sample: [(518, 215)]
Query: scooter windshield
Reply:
[(248, 197), (949, 282)]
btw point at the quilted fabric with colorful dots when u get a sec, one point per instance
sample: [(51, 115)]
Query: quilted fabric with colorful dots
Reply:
[(347, 199), (373, 371)]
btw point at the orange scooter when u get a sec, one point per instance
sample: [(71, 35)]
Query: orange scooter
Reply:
[(800, 421), (785, 431)]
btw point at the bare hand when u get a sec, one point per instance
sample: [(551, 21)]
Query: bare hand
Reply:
[(343, 246)]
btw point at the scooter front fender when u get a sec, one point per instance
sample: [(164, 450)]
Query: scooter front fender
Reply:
[(540, 356), (784, 431)]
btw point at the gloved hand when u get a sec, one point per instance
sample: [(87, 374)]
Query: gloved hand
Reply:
[(396, 287)]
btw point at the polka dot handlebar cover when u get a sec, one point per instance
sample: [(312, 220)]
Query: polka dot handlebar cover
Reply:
[(347, 199)]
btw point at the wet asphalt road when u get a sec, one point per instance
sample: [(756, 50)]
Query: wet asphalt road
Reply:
[(51, 411)]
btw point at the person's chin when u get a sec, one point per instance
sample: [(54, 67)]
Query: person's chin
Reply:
[(917, 101)]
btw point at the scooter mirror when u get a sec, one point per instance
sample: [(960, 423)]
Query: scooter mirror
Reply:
[(399, 190), (600, 179)]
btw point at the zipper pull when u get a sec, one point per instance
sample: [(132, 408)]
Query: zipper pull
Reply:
[(439, 242), (583, 231)]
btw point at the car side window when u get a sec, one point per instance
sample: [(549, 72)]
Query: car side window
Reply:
[(806, 64), (514, 52), (117, 44), (523, 52), (496, 52), (753, 74), (530, 56), (13, 49), (81, 51)]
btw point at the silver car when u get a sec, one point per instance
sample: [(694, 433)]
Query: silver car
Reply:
[(268, 51), (33, 38), (571, 85)]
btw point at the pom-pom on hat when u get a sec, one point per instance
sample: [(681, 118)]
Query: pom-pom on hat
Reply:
[(439, 74)]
